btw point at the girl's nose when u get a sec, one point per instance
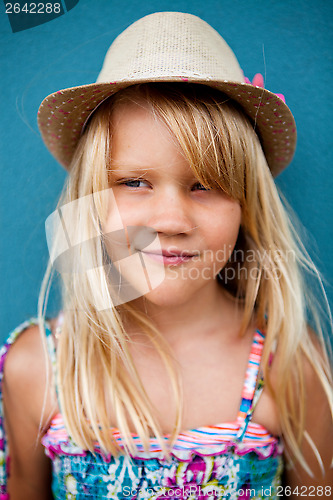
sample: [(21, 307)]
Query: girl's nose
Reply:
[(171, 213)]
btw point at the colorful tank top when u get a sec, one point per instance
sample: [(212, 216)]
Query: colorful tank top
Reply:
[(233, 460)]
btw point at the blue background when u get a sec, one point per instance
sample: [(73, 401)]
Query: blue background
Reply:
[(289, 41)]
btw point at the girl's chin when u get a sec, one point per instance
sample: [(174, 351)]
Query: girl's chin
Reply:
[(161, 298), (172, 294)]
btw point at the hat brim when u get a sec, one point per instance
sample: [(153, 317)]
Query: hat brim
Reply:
[(63, 115)]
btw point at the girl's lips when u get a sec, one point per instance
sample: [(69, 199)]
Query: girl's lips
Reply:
[(169, 258)]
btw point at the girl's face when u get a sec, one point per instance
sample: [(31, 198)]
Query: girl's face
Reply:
[(153, 186)]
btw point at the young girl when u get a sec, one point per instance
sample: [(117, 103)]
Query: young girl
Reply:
[(184, 303)]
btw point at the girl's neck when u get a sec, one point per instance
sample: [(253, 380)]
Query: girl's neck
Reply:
[(206, 312)]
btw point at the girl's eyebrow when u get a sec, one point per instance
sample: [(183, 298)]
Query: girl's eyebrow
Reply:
[(128, 171), (129, 166)]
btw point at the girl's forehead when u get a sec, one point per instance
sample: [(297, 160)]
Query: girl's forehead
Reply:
[(132, 121), (135, 115), (126, 109), (141, 140), (180, 170)]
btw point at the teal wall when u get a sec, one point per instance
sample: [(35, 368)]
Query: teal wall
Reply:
[(289, 41)]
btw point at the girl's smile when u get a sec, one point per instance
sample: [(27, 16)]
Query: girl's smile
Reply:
[(154, 185), (168, 258)]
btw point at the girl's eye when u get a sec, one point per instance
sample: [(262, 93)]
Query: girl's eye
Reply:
[(134, 183), (200, 187)]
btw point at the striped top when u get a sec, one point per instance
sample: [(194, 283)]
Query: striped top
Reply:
[(228, 456)]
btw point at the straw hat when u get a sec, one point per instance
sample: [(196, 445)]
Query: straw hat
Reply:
[(168, 47)]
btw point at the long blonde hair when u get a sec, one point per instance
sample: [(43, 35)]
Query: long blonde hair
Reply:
[(95, 368)]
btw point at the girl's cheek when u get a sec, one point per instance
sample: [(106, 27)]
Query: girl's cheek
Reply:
[(128, 208), (132, 215)]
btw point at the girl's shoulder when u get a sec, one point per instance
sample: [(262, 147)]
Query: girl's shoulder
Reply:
[(26, 367)]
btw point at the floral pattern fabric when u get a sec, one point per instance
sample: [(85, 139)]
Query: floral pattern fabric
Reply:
[(226, 476)]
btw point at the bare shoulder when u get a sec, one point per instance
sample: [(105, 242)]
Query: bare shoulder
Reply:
[(310, 357), (27, 373), (318, 376)]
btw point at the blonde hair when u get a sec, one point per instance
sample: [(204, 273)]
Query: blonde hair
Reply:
[(94, 360)]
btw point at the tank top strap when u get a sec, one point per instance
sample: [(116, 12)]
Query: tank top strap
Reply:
[(51, 349), (253, 383)]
